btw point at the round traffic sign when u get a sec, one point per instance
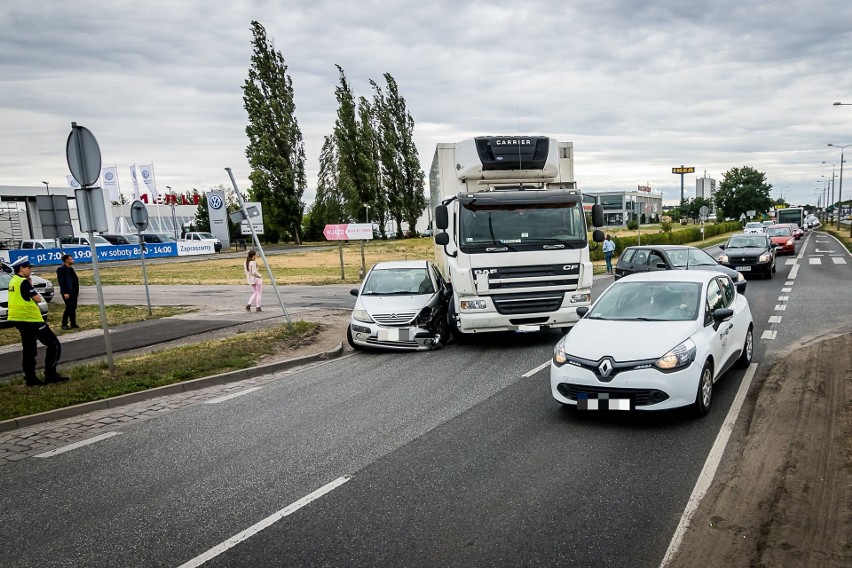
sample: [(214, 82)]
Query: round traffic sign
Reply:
[(84, 155), (139, 215)]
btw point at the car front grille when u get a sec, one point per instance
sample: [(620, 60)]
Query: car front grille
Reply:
[(639, 397), (529, 303), (375, 341), (396, 318)]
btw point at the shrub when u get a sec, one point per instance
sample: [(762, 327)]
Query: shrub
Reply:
[(633, 224), (666, 226)]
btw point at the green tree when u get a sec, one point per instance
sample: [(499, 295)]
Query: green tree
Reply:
[(329, 205), (275, 151), (743, 189), (402, 178), (202, 215)]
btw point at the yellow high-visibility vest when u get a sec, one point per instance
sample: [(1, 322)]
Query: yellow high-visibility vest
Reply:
[(20, 309)]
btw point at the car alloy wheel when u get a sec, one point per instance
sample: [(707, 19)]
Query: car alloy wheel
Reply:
[(748, 350), (704, 396)]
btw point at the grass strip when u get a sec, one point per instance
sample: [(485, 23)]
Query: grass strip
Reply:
[(93, 381)]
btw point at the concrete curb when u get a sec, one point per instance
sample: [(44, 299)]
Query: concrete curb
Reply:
[(195, 384)]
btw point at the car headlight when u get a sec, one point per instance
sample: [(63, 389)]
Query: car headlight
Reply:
[(559, 355), (791, 242), (362, 315), (765, 257), (681, 356), (723, 258), (473, 304)]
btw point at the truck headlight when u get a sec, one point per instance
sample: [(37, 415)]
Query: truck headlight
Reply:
[(473, 304), (681, 356), (362, 315), (581, 298)]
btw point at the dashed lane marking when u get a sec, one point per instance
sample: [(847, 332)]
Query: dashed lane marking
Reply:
[(529, 374), (790, 262), (813, 260), (788, 283), (786, 289), (76, 445), (794, 271), (783, 298), (768, 334), (780, 308), (838, 260), (774, 319)]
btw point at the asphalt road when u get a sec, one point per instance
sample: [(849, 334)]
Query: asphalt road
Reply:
[(457, 457)]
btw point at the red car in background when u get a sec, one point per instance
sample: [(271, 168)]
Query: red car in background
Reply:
[(795, 228), (782, 235)]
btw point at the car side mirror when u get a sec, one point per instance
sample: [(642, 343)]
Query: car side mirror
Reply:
[(721, 315), (740, 286), (582, 310), (722, 246), (354, 292), (661, 265), (774, 245)]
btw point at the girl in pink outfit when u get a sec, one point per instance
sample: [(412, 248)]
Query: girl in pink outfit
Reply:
[(254, 280)]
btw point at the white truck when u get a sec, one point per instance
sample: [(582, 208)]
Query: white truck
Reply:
[(512, 238)]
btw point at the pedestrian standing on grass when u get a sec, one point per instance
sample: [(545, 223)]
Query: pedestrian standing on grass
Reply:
[(608, 249), (254, 280), (69, 287), (25, 313)]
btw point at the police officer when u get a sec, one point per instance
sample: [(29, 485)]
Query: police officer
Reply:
[(25, 313)]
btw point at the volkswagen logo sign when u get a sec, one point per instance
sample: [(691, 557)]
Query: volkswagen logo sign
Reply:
[(216, 202), (108, 176)]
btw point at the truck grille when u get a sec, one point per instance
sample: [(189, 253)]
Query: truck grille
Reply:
[(564, 275), (529, 303)]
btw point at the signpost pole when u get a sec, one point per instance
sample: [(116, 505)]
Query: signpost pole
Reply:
[(340, 251), (139, 216), (258, 247), (363, 262)]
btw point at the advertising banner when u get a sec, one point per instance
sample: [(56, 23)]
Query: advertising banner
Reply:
[(81, 254)]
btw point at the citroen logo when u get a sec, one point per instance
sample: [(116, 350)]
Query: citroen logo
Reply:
[(606, 367), (394, 316)]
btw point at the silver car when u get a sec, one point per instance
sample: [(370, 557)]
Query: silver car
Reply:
[(5, 278), (42, 285), (400, 305)]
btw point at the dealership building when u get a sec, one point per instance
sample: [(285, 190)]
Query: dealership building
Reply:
[(619, 207)]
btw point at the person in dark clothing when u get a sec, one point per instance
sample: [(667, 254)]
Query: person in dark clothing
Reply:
[(25, 313), (69, 287)]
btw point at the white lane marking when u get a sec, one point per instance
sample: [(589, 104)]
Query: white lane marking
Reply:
[(780, 308), (774, 319), (790, 262), (838, 260), (232, 395), (789, 283), (813, 260), (769, 334), (824, 251), (786, 289), (710, 465), (529, 374), (794, 272), (254, 529), (783, 298), (76, 445)]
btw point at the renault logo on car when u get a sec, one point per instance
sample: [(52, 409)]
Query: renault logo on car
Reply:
[(606, 367)]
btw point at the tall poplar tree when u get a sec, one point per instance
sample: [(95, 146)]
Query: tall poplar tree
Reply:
[(329, 205), (275, 151)]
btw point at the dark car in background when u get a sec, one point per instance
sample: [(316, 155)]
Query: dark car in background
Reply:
[(158, 238), (122, 239), (648, 258), (749, 254), (782, 235)]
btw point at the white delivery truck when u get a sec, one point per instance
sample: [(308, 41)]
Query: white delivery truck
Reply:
[(512, 237)]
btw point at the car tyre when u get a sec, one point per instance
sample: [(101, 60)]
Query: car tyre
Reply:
[(704, 395), (748, 350), (442, 330), (349, 339), (458, 335)]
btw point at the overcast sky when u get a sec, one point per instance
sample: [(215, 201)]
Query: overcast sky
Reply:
[(639, 87)]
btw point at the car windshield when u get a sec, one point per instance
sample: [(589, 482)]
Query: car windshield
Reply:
[(649, 301), (388, 281), (514, 227), (779, 232), (206, 236), (166, 238), (100, 240), (746, 242), (683, 258)]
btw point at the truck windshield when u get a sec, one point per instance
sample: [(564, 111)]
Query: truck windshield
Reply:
[(514, 227)]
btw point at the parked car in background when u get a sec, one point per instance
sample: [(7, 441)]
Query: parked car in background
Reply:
[(669, 336), (427, 233), (129, 239), (42, 285), (782, 236), (201, 236), (38, 244), (749, 254), (158, 238), (400, 305), (83, 241), (753, 228), (5, 278), (649, 258)]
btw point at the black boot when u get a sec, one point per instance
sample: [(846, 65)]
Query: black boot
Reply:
[(33, 382), (55, 378)]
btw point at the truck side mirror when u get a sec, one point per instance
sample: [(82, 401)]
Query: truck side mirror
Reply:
[(442, 218), (597, 216), (598, 236), (442, 239)]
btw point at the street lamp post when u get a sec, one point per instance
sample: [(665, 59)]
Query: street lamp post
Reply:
[(840, 189), (832, 184)]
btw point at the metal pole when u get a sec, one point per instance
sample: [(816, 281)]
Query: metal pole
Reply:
[(260, 248), (840, 191), (340, 252), (144, 270)]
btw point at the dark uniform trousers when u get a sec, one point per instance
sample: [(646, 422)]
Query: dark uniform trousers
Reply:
[(31, 332), (70, 313)]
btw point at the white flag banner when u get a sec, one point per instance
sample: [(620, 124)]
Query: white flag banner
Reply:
[(148, 177), (72, 183), (135, 182), (110, 180)]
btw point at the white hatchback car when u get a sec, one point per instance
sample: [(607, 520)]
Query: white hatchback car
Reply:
[(401, 305), (654, 341), (753, 228)]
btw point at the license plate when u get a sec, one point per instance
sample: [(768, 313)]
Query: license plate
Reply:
[(528, 328), (586, 401), (394, 334), (743, 268)]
